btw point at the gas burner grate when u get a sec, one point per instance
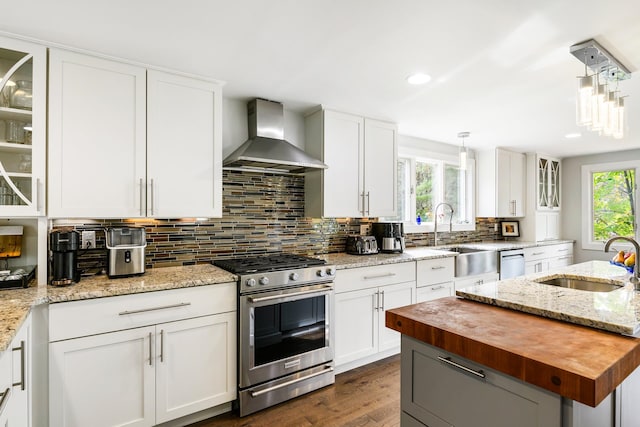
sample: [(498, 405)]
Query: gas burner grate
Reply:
[(267, 262)]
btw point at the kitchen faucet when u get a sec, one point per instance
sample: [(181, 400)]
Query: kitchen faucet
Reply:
[(435, 221), (636, 273)]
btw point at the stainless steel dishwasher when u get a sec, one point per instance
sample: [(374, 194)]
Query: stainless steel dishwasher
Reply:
[(511, 264)]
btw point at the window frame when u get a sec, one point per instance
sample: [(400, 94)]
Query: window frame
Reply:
[(411, 156), (587, 202)]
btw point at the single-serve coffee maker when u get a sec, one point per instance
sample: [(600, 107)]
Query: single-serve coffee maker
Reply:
[(64, 247), (389, 235)]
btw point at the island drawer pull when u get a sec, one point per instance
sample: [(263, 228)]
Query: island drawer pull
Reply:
[(379, 276), (438, 267), (144, 310), (448, 361)]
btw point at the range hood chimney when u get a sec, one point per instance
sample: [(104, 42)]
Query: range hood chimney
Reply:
[(266, 150)]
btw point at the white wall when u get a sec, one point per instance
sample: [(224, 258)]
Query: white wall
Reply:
[(234, 126), (571, 193)]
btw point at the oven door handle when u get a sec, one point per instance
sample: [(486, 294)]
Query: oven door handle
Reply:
[(288, 383), (292, 294)]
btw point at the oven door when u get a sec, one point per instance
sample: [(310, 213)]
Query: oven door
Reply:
[(284, 331)]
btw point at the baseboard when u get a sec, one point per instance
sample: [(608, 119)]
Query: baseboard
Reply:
[(366, 360)]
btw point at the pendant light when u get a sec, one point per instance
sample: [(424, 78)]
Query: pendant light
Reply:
[(463, 150), (584, 99)]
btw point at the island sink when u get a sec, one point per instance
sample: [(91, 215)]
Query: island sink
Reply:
[(580, 284)]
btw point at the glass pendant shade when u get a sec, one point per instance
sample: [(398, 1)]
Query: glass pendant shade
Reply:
[(597, 109), (610, 113), (463, 158), (618, 129), (583, 102)]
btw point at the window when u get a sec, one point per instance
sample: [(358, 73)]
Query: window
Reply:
[(424, 183), (609, 203)]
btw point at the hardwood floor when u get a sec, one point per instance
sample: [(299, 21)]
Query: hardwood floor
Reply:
[(366, 396)]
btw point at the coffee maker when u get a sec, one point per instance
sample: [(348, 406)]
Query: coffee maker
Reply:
[(64, 247), (389, 236)]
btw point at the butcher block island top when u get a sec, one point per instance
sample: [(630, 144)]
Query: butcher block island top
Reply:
[(576, 362)]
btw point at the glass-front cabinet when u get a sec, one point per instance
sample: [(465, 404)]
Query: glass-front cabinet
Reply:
[(548, 183), (22, 128)]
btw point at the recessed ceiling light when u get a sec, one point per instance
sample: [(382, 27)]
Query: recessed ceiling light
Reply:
[(573, 135), (418, 79)]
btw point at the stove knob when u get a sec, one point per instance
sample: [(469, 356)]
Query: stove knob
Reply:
[(264, 281), (331, 271), (320, 273), (294, 276), (251, 282)]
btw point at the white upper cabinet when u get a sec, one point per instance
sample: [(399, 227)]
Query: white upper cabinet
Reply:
[(361, 154), (127, 143), (97, 137), (23, 93), (547, 183), (501, 184), (184, 146)]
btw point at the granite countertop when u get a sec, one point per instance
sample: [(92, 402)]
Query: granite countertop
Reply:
[(503, 245), (343, 260), (15, 304), (616, 311)]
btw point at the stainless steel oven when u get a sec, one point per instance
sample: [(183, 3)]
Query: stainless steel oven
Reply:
[(285, 333)]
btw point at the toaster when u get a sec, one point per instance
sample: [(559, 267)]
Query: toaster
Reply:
[(361, 245)]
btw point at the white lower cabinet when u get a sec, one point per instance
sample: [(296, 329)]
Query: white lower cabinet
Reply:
[(145, 375), (434, 278), (437, 393), (543, 258), (362, 295), (15, 380), (479, 279), (431, 292)]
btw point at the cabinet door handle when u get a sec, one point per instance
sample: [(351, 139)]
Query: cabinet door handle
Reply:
[(152, 197), (379, 276), (22, 381), (150, 351), (141, 198), (37, 198), (382, 305), (161, 345), (368, 204), (448, 361), (4, 399), (438, 267), (376, 302), (362, 200), (144, 310)]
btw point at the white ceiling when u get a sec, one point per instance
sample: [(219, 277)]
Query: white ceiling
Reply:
[(501, 69)]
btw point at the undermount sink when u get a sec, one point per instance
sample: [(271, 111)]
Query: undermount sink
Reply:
[(470, 262), (580, 284)]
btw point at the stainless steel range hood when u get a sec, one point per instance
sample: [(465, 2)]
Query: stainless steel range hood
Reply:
[(266, 150)]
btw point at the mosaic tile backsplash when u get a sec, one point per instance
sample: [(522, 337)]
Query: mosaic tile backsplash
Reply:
[(261, 213)]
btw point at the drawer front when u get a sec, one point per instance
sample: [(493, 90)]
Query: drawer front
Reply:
[(563, 249), (537, 253), (431, 271), (100, 315), (354, 279), (431, 292)]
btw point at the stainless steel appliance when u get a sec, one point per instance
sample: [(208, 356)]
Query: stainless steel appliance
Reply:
[(125, 251), (389, 235), (285, 335), (266, 150), (361, 245), (64, 247), (511, 264)]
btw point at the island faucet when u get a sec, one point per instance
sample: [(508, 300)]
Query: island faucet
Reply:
[(435, 221), (636, 273)]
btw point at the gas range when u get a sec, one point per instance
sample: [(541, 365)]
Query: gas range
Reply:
[(277, 270)]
